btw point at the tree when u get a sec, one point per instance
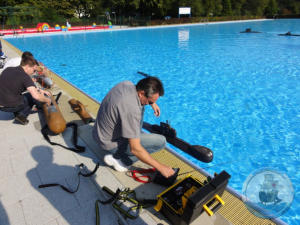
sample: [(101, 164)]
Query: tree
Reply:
[(83, 8), (255, 7), (237, 7), (148, 7), (272, 8), (197, 8), (218, 8), (227, 11), (209, 6), (57, 11), (131, 7), (289, 6), (166, 8)]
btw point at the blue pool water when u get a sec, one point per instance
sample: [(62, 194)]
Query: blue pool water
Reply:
[(238, 94)]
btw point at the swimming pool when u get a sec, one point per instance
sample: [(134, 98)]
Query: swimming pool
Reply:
[(238, 94)]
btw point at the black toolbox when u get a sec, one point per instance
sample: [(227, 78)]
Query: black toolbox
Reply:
[(184, 201)]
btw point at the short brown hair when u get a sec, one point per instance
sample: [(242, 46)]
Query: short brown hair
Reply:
[(26, 54), (150, 85), (28, 59)]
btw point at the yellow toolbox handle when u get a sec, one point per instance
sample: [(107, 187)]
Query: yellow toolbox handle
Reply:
[(158, 205), (211, 212)]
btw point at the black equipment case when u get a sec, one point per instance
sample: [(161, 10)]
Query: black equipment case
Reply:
[(183, 202)]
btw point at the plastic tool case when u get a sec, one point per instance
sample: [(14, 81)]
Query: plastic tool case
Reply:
[(183, 202)]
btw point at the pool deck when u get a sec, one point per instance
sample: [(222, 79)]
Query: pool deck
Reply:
[(27, 161)]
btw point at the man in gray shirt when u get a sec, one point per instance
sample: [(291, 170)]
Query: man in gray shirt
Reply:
[(119, 123)]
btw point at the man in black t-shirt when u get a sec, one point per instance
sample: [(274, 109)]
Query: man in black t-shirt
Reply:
[(13, 82)]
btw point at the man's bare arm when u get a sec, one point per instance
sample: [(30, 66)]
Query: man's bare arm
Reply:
[(140, 152), (39, 95)]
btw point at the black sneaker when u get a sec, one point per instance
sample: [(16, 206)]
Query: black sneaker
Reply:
[(21, 119)]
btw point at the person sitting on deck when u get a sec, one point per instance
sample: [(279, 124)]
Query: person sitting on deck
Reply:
[(13, 82), (41, 75), (119, 122), (2, 55)]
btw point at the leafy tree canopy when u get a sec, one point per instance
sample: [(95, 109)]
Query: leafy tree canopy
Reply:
[(15, 11)]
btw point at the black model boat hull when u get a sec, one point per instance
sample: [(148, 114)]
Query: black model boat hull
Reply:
[(199, 152)]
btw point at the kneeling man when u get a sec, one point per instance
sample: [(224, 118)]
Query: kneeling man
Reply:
[(14, 81), (119, 123)]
